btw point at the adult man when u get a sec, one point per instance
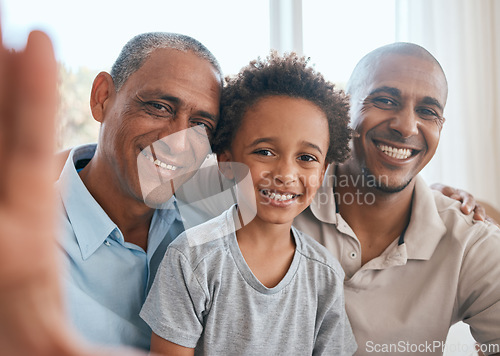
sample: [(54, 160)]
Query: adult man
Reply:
[(414, 264), (156, 109)]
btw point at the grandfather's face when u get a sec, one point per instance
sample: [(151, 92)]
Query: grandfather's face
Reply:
[(398, 116), (157, 128)]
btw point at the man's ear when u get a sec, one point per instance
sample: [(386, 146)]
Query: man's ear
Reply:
[(103, 89), (224, 160)]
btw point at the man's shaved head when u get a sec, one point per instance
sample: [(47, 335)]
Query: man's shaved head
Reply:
[(365, 66)]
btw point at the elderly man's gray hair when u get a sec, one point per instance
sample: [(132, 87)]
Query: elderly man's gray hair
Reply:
[(138, 49)]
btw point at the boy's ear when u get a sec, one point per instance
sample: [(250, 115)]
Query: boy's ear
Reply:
[(224, 160), (103, 89), (323, 171)]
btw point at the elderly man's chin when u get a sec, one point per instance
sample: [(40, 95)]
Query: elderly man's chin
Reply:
[(156, 195)]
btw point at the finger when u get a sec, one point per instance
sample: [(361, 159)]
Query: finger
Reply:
[(26, 160), (31, 144), (445, 190), (479, 213), (468, 201)]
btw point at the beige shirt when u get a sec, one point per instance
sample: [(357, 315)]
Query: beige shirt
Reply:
[(446, 269)]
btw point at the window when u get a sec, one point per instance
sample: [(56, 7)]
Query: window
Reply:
[(88, 36)]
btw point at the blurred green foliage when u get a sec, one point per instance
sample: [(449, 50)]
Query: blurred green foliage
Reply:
[(75, 124)]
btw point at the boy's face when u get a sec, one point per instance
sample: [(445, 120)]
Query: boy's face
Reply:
[(284, 142)]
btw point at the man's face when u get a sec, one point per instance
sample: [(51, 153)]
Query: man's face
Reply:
[(155, 129), (397, 115)]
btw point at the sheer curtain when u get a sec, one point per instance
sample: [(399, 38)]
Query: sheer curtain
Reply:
[(464, 35)]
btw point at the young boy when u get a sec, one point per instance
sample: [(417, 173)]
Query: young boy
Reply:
[(261, 288)]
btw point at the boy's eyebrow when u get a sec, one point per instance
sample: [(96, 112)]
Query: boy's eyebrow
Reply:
[(270, 139), (312, 145), (261, 140)]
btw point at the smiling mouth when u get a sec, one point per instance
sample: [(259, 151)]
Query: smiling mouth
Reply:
[(394, 152), (283, 197), (158, 163)]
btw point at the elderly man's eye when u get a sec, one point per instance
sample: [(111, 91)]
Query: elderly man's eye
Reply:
[(160, 108)]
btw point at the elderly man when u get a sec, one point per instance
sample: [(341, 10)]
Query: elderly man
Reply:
[(157, 110), (414, 263)]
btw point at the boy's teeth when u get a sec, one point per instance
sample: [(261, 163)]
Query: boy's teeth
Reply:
[(277, 196), (398, 153)]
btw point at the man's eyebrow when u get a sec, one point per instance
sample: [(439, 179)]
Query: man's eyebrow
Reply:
[(431, 101), (389, 90), (207, 115), (161, 95)]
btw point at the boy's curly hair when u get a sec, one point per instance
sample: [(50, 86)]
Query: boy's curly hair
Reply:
[(288, 75)]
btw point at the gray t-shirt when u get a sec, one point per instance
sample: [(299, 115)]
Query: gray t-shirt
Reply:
[(206, 297)]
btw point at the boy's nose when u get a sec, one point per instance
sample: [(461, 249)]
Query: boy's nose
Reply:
[(285, 172)]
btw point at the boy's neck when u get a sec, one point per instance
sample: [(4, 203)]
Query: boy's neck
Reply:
[(268, 250)]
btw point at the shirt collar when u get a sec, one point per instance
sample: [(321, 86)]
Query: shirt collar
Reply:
[(424, 231), (81, 208), (163, 218), (323, 205), (426, 228)]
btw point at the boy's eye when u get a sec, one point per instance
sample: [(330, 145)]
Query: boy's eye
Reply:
[(307, 158), (263, 152)]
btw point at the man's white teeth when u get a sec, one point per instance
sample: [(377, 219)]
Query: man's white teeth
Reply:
[(278, 197), (398, 153), (159, 163)]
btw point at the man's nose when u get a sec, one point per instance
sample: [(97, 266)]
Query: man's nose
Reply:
[(175, 136), (405, 122)]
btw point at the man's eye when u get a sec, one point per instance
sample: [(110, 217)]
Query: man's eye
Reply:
[(203, 124), (428, 114), (384, 102), (307, 158), (164, 109), (203, 128)]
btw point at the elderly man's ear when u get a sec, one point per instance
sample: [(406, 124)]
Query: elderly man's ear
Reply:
[(103, 90)]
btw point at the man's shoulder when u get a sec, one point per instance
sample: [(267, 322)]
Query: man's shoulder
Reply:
[(459, 224)]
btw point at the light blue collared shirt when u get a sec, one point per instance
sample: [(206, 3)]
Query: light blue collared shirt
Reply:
[(107, 278)]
